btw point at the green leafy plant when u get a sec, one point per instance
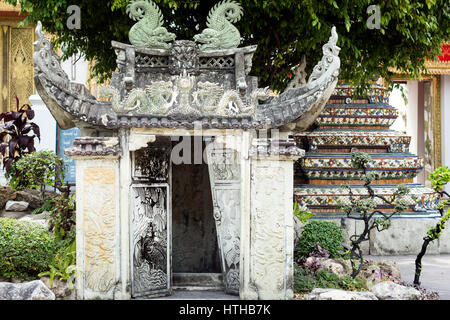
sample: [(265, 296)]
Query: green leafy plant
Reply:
[(26, 249), (327, 234), (47, 206), (62, 216), (306, 279), (439, 178), (364, 208), (63, 265), (302, 214), (38, 170), (17, 134)]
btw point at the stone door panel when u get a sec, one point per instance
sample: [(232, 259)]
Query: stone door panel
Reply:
[(150, 240)]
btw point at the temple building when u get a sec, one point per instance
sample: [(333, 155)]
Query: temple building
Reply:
[(364, 124)]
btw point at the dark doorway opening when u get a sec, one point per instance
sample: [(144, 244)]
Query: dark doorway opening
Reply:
[(195, 248)]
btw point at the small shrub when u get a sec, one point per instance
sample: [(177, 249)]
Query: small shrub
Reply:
[(46, 206), (26, 249), (38, 170), (62, 216), (328, 235), (63, 265)]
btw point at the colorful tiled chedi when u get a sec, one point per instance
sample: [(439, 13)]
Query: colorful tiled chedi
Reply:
[(362, 124)]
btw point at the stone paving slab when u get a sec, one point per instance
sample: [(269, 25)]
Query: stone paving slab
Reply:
[(198, 295), (435, 271)]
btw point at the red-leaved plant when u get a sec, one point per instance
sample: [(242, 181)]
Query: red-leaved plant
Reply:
[(17, 134)]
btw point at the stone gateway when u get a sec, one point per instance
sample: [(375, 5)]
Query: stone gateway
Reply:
[(146, 221)]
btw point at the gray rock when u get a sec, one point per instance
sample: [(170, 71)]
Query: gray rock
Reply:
[(380, 271), (336, 294), (297, 229), (61, 289), (388, 290), (41, 219), (336, 266), (31, 198), (16, 206), (6, 194), (34, 290)]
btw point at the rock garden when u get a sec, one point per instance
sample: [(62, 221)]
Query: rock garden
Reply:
[(37, 238), (323, 270)]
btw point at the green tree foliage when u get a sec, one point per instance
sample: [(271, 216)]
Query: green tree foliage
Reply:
[(284, 30)]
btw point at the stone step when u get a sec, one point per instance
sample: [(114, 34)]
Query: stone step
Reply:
[(197, 281)]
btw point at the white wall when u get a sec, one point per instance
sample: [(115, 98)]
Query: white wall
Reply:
[(412, 114), (396, 100), (445, 105), (407, 121)]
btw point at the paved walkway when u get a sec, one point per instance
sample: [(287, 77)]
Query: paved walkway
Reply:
[(435, 277), (435, 271), (198, 295)]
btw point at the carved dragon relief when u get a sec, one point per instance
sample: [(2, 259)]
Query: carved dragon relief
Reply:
[(209, 99)]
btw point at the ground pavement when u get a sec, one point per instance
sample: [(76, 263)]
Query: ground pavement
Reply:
[(435, 271), (435, 277)]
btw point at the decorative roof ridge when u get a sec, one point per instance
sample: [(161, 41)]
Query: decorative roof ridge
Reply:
[(275, 147), (94, 147)]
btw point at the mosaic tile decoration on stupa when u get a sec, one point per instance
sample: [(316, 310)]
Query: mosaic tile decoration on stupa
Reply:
[(362, 124)]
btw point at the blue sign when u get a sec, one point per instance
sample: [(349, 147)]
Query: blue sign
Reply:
[(65, 141)]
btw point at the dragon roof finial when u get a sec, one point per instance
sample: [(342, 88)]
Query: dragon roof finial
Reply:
[(148, 31), (221, 33)]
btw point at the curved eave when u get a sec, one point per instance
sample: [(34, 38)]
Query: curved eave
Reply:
[(298, 108), (70, 104)]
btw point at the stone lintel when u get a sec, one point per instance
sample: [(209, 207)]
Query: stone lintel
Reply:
[(140, 140)]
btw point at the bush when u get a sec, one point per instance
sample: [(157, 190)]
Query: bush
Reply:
[(327, 234), (26, 249), (38, 170)]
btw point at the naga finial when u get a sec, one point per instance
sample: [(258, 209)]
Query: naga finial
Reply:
[(148, 31), (221, 33)]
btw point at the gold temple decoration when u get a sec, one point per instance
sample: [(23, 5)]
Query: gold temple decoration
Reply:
[(16, 58)]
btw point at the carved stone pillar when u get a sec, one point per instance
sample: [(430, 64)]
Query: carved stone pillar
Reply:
[(267, 256), (98, 219)]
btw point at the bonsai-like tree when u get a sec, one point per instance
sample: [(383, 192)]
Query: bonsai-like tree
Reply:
[(439, 178), (364, 208)]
